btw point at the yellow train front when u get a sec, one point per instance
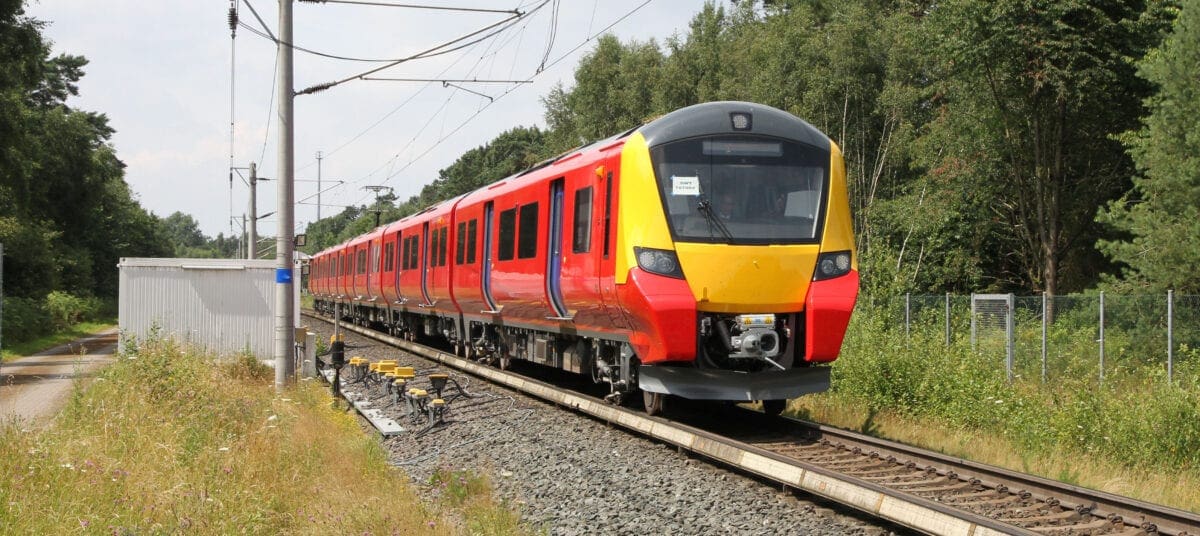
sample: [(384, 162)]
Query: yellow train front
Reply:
[(735, 255)]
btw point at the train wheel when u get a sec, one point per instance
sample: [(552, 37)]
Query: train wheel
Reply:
[(774, 407), (653, 402)]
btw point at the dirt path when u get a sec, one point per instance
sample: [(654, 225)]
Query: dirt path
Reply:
[(34, 388)]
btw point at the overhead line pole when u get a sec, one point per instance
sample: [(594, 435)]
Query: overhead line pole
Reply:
[(285, 333), (252, 250), (318, 185)]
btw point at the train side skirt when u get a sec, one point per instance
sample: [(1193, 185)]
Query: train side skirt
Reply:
[(707, 384)]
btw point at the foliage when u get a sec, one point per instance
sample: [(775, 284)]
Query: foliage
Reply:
[(26, 319), (66, 310), (66, 213), (1161, 215), (1133, 418)]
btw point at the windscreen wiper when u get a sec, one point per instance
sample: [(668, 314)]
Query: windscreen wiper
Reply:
[(714, 221)]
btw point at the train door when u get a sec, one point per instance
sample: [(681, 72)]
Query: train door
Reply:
[(606, 204), (554, 248), (426, 263), (400, 266), (485, 277)]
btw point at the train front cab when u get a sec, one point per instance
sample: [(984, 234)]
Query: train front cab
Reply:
[(736, 255)]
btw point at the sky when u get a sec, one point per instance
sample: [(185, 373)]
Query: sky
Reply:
[(161, 71)]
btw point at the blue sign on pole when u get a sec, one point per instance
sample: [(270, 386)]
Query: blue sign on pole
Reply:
[(283, 275)]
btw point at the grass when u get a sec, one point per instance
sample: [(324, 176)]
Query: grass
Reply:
[(470, 494), (167, 441), (34, 346)]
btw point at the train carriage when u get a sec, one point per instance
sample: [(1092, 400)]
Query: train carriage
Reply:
[(707, 254)]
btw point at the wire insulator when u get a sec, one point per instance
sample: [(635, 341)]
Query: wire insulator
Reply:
[(233, 21)]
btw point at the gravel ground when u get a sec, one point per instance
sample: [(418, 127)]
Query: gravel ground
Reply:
[(569, 474)]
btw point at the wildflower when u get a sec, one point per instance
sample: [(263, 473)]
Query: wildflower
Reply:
[(431, 524)]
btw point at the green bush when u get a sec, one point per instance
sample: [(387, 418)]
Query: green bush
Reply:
[(24, 320), (1133, 418), (66, 310)]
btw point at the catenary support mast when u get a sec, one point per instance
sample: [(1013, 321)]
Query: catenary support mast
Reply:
[(285, 333)]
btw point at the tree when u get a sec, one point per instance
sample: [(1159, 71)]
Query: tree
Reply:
[(183, 230), (1162, 214), (1030, 96), (615, 88), (65, 210)]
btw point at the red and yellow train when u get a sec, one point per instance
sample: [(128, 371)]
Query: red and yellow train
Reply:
[(707, 254)]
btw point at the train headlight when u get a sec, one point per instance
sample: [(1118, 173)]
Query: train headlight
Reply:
[(831, 265), (658, 261)]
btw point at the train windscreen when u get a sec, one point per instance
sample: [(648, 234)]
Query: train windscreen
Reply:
[(742, 189)]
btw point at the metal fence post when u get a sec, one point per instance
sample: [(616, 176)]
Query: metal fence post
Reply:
[(1044, 320), (1101, 341), (947, 319), (907, 318), (972, 321), (1170, 337), (1010, 342)]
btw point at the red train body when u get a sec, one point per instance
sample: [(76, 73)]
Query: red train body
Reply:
[(617, 260)]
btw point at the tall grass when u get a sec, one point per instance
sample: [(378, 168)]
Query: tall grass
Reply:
[(1133, 420), (164, 441)]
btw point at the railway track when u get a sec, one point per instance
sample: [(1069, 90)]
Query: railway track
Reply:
[(923, 490)]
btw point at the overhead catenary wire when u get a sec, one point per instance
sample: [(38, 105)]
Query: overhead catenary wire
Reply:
[(510, 90), (392, 174), (435, 51), (410, 6), (360, 134)]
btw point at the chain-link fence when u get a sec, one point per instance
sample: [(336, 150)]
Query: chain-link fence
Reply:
[(1048, 337)]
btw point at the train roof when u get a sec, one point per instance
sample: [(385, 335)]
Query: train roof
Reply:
[(718, 117)]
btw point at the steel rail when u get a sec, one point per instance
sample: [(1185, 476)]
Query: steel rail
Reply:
[(1100, 504), (895, 506)]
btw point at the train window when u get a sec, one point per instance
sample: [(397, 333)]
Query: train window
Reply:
[(433, 245), (508, 231), (375, 258), (527, 237), (460, 243), (442, 246), (362, 261), (582, 237), (414, 252), (404, 254), (390, 263), (607, 210), (471, 229)]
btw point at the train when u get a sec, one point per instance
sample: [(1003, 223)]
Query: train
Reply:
[(707, 254)]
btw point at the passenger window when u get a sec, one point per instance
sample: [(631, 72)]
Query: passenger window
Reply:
[(442, 246), (582, 241), (471, 229), (389, 264), (362, 261), (460, 243), (508, 231), (433, 248), (404, 256), (527, 240)]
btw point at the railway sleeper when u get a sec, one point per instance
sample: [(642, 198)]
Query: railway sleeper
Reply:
[(1076, 528), (1065, 515), (941, 489)]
